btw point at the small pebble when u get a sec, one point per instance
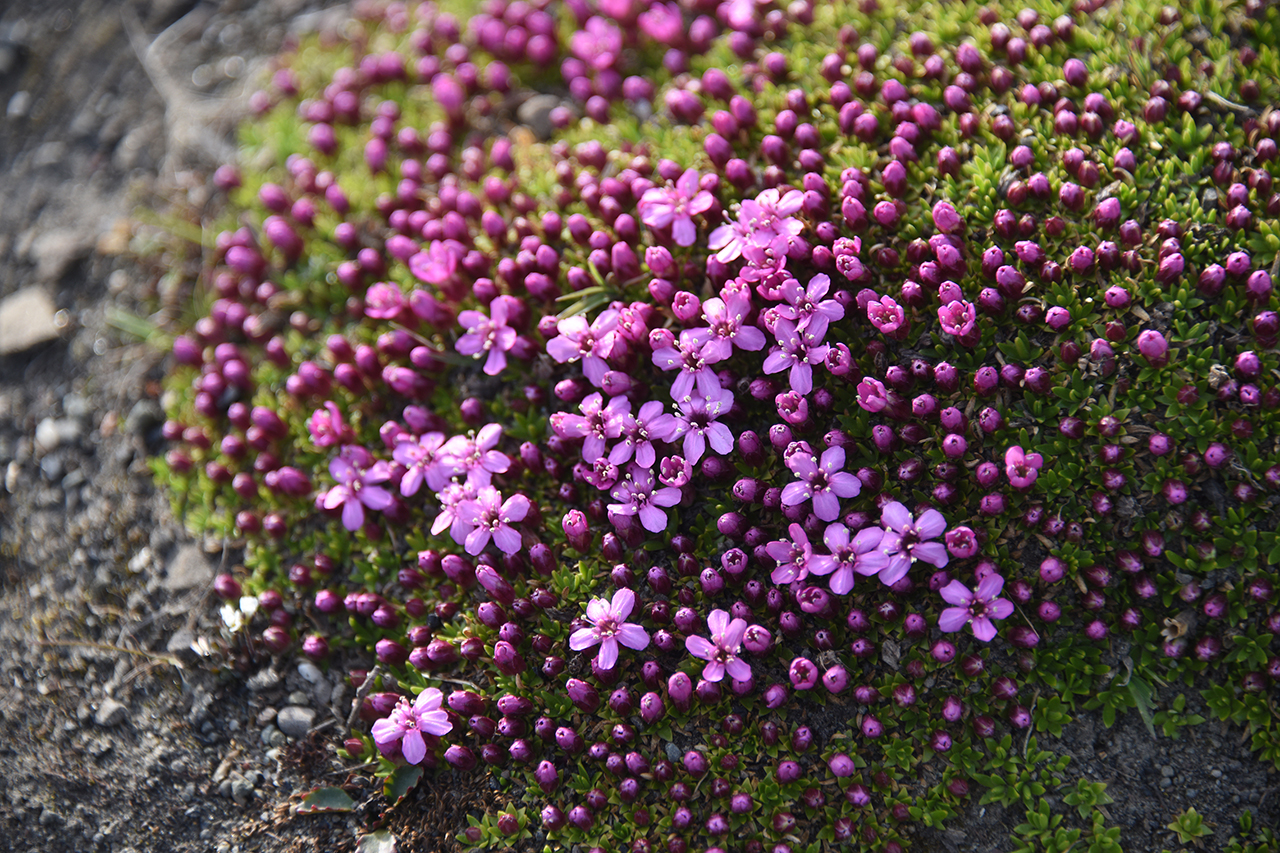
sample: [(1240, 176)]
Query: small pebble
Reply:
[(110, 713), (1166, 771), (295, 721)]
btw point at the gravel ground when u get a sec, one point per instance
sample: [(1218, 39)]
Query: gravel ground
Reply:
[(115, 733)]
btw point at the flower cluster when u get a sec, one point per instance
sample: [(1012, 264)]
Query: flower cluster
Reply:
[(682, 391)]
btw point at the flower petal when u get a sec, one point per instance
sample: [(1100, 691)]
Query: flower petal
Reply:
[(583, 638), (953, 618), (608, 655), (633, 636), (984, 629), (413, 747), (895, 516), (699, 647), (624, 600), (956, 593)]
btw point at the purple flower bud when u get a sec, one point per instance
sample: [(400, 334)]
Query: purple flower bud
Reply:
[(1153, 347), (872, 727)]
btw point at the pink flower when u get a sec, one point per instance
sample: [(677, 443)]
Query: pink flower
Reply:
[(475, 455), (609, 627), (357, 489), (451, 498), (905, 540), (820, 480), (807, 308), (598, 43), (593, 343), (726, 315), (383, 301), (957, 318), (420, 459), (636, 496), (887, 316), (872, 395), (663, 23), (861, 555), (489, 334), (407, 723), (488, 516), (797, 351), (675, 207), (721, 651), (327, 426), (439, 263), (1021, 468), (946, 218), (975, 609), (793, 556), (697, 423), (597, 424), (692, 354)]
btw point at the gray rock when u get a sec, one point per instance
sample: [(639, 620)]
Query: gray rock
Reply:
[(188, 569), (111, 713), (262, 680), (241, 789), (56, 250), (295, 721), (310, 672), (27, 318), (536, 113), (144, 415), (180, 645)]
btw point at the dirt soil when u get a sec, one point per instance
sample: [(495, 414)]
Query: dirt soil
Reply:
[(116, 734)]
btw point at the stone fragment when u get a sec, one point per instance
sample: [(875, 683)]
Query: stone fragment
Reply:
[(27, 318)]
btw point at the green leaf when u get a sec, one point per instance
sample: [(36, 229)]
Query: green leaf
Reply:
[(401, 782), (323, 800), (1141, 693), (381, 841)]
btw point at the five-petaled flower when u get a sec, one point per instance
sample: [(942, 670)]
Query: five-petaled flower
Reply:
[(1022, 468), (406, 724), (675, 207), (356, 489), (721, 651), (860, 554), (489, 335), (609, 627), (489, 516), (820, 480), (904, 540), (636, 495), (975, 609)]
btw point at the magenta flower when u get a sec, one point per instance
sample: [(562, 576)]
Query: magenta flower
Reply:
[(592, 343), (975, 609), (821, 481), (807, 308), (721, 651), (872, 395), (489, 335), (451, 498), (597, 44), (697, 423), (726, 315), (887, 316), (692, 354), (356, 489), (1022, 468), (859, 555), (905, 540), (636, 496), (487, 515), (764, 225), (475, 456), (609, 627), (328, 428), (663, 23), (957, 318), (384, 301), (793, 556), (598, 423), (407, 723), (420, 457), (797, 352), (638, 432), (676, 206), (439, 263)]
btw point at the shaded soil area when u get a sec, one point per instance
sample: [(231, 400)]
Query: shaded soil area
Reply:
[(117, 732)]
